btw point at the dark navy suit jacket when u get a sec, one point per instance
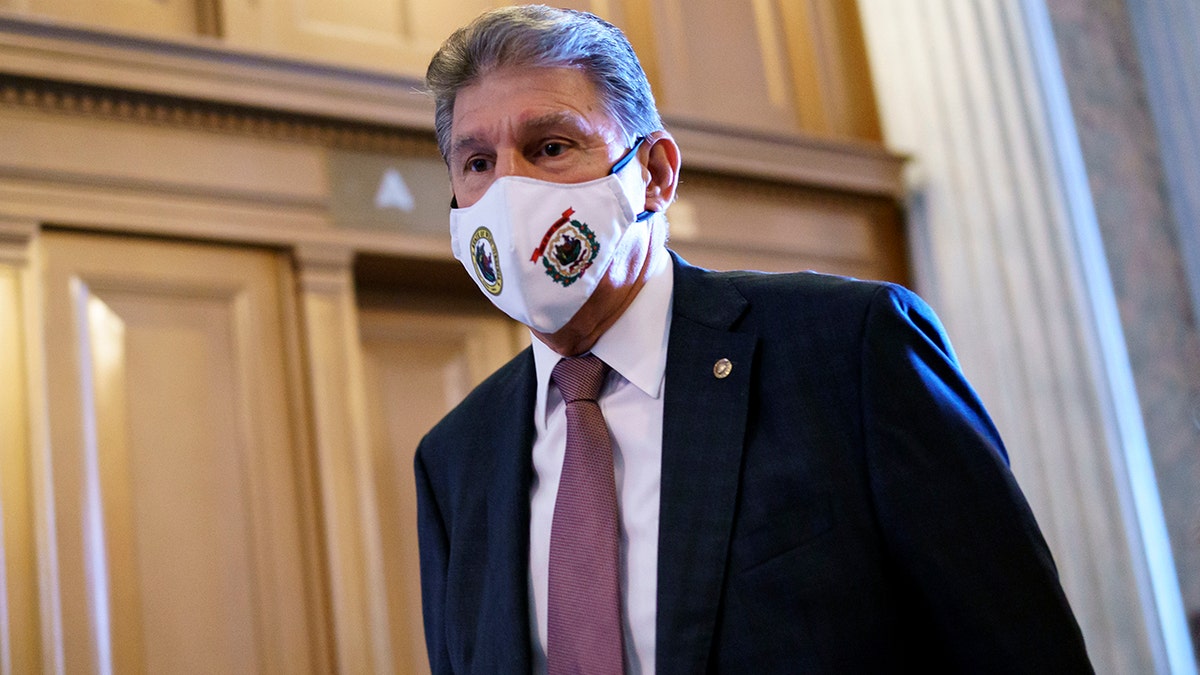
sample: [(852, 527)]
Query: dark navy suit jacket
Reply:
[(839, 503)]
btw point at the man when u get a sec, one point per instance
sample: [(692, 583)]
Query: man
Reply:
[(803, 480)]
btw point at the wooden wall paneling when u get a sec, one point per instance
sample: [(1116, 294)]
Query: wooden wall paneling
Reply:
[(778, 65), (636, 19), (804, 43), (138, 153), (22, 523), (125, 175), (781, 65), (394, 36), (344, 98), (161, 18), (851, 88), (419, 364), (793, 229), (349, 505), (716, 65), (178, 524), (130, 71), (827, 56)]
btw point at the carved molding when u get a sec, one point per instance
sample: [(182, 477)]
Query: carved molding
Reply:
[(147, 108), (202, 69), (16, 234), (845, 166), (68, 69)]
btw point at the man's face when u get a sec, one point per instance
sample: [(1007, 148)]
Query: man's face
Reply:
[(544, 123)]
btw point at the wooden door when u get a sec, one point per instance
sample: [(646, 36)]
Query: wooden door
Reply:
[(181, 522), (418, 363)]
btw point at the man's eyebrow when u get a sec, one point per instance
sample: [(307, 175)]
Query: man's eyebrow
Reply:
[(555, 120), (459, 145), (562, 119)]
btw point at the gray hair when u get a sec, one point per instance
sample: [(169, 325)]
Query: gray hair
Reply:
[(536, 35)]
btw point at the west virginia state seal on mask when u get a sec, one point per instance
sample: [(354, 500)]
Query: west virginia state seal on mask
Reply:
[(567, 249)]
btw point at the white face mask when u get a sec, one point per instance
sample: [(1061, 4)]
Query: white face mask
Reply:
[(538, 249)]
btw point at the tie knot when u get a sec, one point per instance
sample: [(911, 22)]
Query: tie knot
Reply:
[(580, 377)]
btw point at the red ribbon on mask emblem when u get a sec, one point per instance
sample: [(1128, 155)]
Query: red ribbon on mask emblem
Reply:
[(537, 252)]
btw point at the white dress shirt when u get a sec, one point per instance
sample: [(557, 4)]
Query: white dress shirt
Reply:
[(635, 347)]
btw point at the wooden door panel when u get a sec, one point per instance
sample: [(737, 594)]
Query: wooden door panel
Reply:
[(163, 18), (389, 35), (417, 365), (178, 523), (177, 534)]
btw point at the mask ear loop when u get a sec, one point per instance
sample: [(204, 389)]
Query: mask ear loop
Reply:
[(628, 156), (621, 163)]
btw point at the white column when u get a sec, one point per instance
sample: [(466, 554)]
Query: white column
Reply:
[(1006, 249)]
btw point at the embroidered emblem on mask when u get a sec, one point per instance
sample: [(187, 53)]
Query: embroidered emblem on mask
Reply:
[(567, 249), (487, 263)]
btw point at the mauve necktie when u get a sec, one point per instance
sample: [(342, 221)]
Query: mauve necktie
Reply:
[(584, 605)]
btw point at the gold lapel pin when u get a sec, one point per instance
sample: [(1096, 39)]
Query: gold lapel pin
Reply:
[(722, 369)]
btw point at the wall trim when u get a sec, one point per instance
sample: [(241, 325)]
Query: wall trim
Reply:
[(68, 68)]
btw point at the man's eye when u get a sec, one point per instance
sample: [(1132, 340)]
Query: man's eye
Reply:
[(478, 165), (554, 149)]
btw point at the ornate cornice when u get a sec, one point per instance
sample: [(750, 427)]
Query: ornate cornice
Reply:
[(15, 236), (149, 108), (206, 84)]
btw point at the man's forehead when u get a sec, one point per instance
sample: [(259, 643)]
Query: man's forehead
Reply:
[(528, 99)]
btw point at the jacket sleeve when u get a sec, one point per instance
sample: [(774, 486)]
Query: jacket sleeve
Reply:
[(955, 524), (434, 554)]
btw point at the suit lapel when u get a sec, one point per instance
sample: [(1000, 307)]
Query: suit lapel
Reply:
[(502, 630), (704, 422)]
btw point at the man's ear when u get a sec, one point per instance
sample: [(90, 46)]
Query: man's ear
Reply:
[(661, 169)]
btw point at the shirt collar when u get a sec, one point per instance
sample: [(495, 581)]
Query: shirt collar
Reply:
[(635, 346)]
